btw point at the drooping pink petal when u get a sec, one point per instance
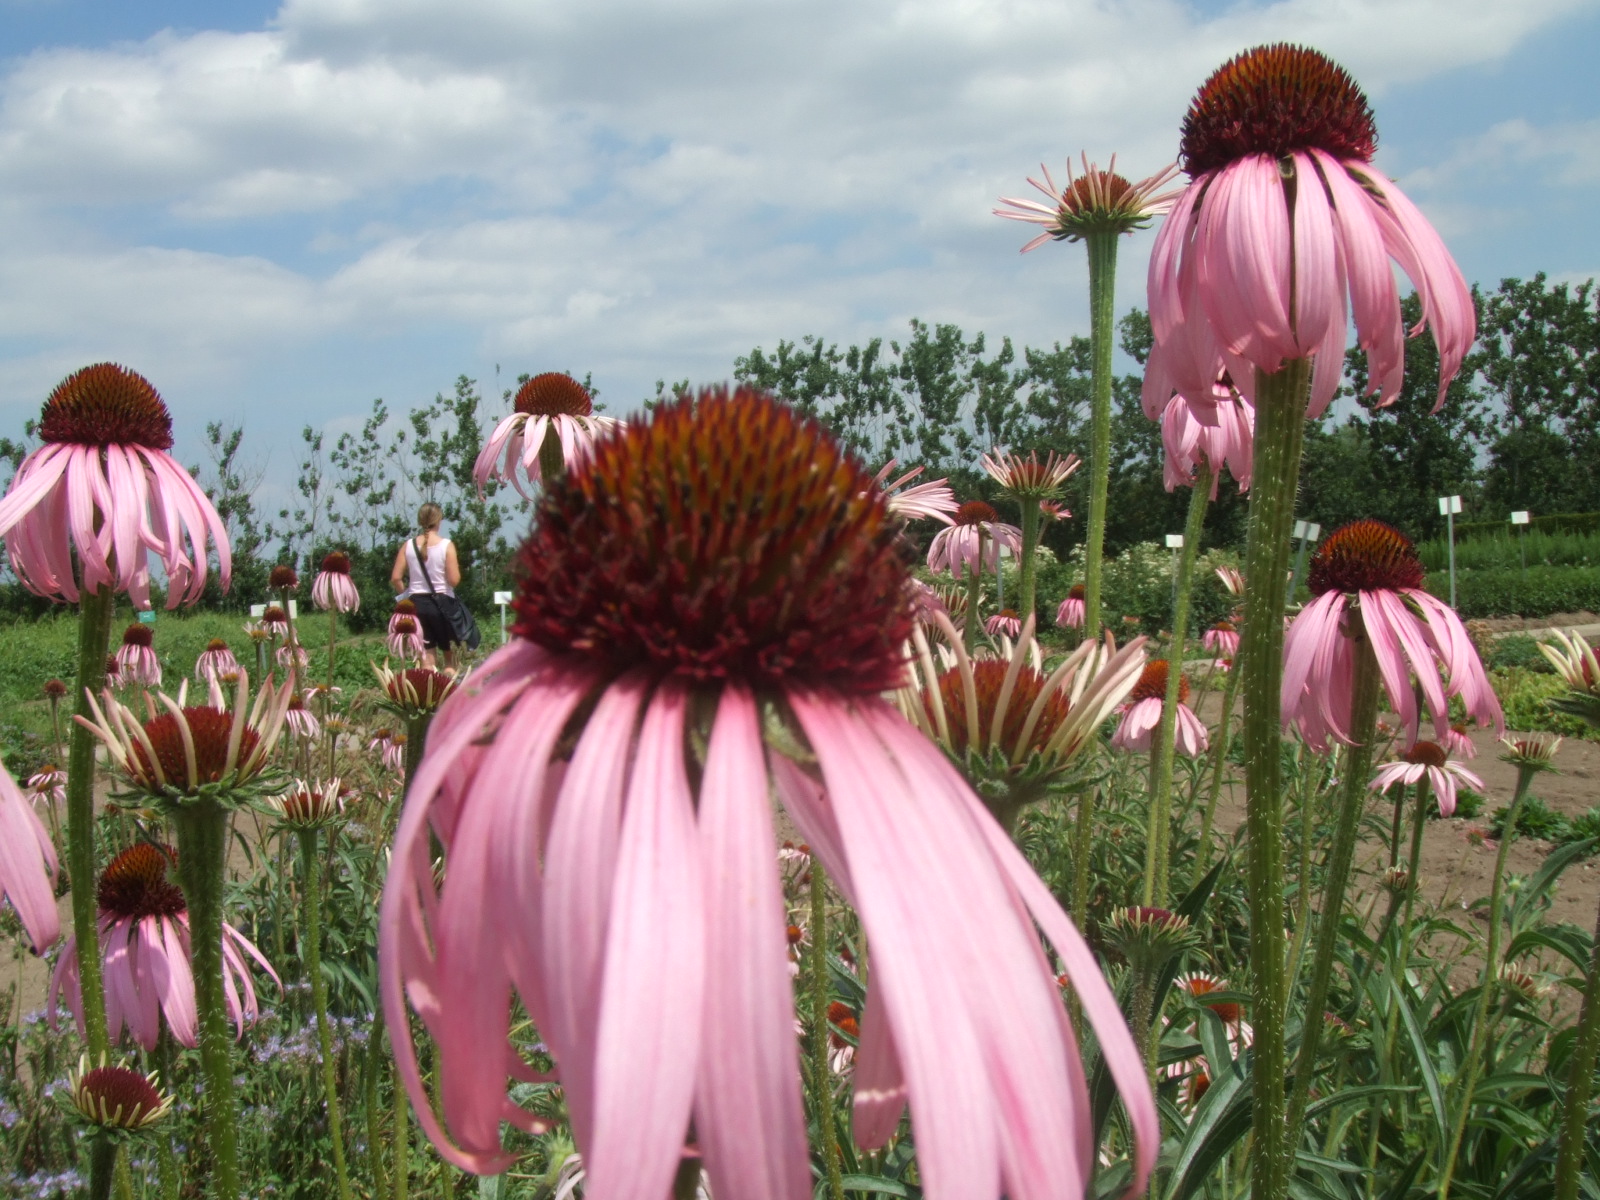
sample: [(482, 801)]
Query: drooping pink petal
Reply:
[(880, 1084), (748, 1113), (27, 865), (652, 989)]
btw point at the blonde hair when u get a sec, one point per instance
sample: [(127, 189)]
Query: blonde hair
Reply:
[(429, 516)]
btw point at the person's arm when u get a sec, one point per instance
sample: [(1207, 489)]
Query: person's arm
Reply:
[(398, 575), (452, 565)]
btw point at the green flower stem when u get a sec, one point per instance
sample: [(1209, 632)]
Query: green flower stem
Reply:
[(1082, 843), (551, 463), (123, 1174), (1102, 248), (1580, 1081), (1280, 429), (1364, 686), (969, 627), (402, 1140), (102, 1164), (1419, 822), (1491, 977), (416, 744), (822, 1081), (311, 907), (1155, 872), (202, 828), (369, 1090), (686, 1181), (94, 641), (166, 1164), (1142, 1018), (1219, 757), (1031, 518)]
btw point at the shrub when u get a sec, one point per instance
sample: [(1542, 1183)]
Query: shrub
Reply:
[(1535, 820), (1526, 695), (1518, 651), (1508, 592)]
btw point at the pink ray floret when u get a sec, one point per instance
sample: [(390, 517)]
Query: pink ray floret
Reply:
[(27, 865), (1428, 759)]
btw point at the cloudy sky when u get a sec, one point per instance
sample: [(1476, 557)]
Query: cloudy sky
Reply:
[(279, 212)]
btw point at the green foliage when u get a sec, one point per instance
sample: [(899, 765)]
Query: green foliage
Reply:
[(1536, 820), (1503, 550), (1518, 651), (1526, 696), (1511, 592)]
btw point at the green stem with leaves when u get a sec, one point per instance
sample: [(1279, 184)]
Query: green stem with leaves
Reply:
[(102, 1166), (94, 641), (1031, 519), (821, 1072), (1219, 757), (311, 909), (969, 626), (1491, 980), (1280, 428), (1155, 872), (1580, 1081), (202, 827), (1364, 686), (1102, 247)]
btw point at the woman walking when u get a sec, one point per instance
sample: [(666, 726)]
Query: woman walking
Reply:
[(429, 565)]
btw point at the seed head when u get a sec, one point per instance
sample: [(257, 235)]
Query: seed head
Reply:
[(338, 562), (117, 1097), (138, 635), (106, 405), (1364, 556), (553, 394), (1152, 684), (135, 883), (283, 578)]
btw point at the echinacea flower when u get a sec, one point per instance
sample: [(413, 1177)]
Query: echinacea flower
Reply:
[(1427, 758), (977, 531), (275, 621), (1004, 622), (302, 722), (1284, 233), (291, 657), (1456, 742), (216, 659), (1233, 579), (1574, 659), (85, 510), (416, 691), (49, 784), (333, 588), (145, 954), (1216, 434), (404, 640), (137, 657), (1222, 639), (1369, 573), (1150, 937), (1029, 480), (551, 410), (1532, 752), (27, 865), (1011, 729), (283, 578), (1095, 201), (718, 568), (1054, 510), (394, 753), (1071, 614), (190, 751), (117, 1097), (310, 803), (932, 499), (1143, 713)]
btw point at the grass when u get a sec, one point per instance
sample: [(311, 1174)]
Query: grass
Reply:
[(1504, 552)]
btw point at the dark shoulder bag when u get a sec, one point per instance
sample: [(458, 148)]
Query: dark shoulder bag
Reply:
[(463, 628)]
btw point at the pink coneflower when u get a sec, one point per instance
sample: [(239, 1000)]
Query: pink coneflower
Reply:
[(1029, 480), (1233, 579), (1004, 622), (283, 578), (1217, 434), (1094, 200), (137, 657), (1284, 233), (1370, 572), (416, 691), (115, 1097), (333, 588), (144, 949), (27, 865), (1054, 510), (1071, 614), (114, 677), (1143, 713), (932, 499), (291, 658), (1457, 743), (722, 559), (48, 784), (976, 524), (274, 621), (103, 492), (1222, 639), (405, 636), (1427, 758), (302, 722), (394, 753), (551, 410), (216, 659)]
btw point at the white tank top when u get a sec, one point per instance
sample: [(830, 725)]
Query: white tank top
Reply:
[(435, 568)]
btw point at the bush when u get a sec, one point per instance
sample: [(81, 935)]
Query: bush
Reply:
[(1509, 592), (1536, 819), (1138, 583), (1517, 651), (1526, 695)]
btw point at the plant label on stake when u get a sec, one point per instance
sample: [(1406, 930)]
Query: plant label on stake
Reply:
[(1175, 544), (1520, 520), (1307, 532), (257, 611), (1449, 506), (502, 599)]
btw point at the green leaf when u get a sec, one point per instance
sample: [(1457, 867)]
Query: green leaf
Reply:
[(1221, 1118), (1430, 1077), (877, 1185)]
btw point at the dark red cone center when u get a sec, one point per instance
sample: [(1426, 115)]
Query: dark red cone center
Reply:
[(135, 884), (1364, 556), (553, 394), (106, 405)]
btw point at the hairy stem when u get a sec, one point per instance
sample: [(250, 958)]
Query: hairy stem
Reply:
[(822, 1075), (1030, 544), (1155, 873), (311, 908), (1102, 248), (1491, 978), (1580, 1081), (94, 641), (1219, 757), (1280, 427), (202, 828), (1352, 799)]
